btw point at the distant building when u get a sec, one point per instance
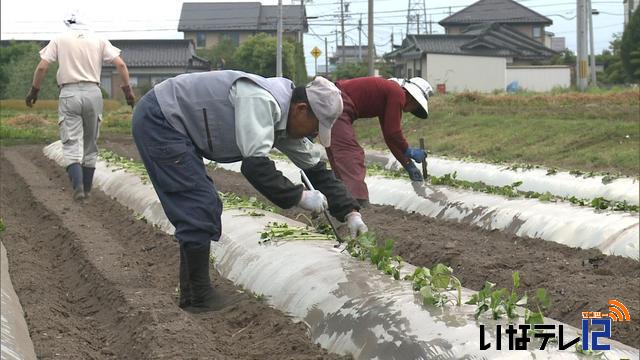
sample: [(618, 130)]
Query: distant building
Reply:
[(558, 44), (483, 57), (517, 16), (629, 7), (207, 23), (149, 62), (350, 54)]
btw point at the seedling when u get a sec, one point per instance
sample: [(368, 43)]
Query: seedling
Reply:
[(434, 285), (502, 302), (366, 247)]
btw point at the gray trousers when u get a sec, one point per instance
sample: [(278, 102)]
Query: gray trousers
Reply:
[(80, 113)]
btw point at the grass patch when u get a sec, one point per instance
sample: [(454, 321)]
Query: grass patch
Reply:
[(597, 131), (19, 124)]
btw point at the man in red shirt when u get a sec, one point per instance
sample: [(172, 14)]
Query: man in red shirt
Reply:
[(369, 97)]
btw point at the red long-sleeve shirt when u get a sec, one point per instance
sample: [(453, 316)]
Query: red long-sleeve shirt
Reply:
[(378, 97)]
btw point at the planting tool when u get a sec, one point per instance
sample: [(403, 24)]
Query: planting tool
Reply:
[(424, 162), (326, 214)]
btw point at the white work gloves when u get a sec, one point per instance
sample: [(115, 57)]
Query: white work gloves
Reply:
[(355, 224), (314, 201)]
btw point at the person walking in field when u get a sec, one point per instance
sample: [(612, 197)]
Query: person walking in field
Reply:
[(80, 54), (228, 116), (369, 97)]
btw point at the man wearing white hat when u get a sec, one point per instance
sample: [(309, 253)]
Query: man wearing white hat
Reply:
[(228, 116), (80, 54), (370, 97)]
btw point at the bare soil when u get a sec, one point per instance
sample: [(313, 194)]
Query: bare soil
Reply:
[(97, 283)]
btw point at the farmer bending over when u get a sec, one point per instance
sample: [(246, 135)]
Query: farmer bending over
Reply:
[(80, 54), (385, 99), (229, 116)]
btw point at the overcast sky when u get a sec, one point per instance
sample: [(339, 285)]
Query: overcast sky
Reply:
[(158, 19)]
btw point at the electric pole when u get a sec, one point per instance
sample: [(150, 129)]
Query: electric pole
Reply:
[(279, 47), (360, 39), (326, 59), (581, 59), (592, 58), (370, 46), (342, 28)]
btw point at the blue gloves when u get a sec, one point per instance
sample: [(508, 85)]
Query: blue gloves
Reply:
[(414, 173), (416, 154)]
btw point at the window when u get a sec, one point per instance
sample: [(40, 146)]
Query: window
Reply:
[(409, 73), (537, 31), (234, 37), (201, 40)]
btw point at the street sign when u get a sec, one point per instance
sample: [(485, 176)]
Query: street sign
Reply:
[(315, 52)]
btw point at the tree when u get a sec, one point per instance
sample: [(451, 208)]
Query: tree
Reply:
[(257, 55), (630, 47), (17, 64), (564, 57), (221, 55), (614, 72)]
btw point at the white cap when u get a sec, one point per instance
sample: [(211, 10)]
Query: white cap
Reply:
[(326, 103), (420, 89)]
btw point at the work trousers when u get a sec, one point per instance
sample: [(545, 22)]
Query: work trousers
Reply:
[(79, 116), (345, 154), (178, 175)]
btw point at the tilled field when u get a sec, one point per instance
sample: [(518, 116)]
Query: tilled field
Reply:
[(97, 283)]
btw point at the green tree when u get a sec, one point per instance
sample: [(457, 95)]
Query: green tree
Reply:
[(630, 47), (220, 55), (257, 55), (17, 64), (614, 72), (351, 70), (564, 57), (354, 70)]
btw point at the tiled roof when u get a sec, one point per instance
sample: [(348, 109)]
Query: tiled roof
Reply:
[(248, 16), (159, 53), (480, 40), (503, 11)]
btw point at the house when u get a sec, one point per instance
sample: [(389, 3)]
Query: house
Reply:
[(207, 23), (509, 12), (478, 58), (350, 54), (150, 62)]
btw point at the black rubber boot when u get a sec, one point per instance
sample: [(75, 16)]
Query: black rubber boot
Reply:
[(87, 179), (203, 296), (75, 174), (185, 284), (364, 203)]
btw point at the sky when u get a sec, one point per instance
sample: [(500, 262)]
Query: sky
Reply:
[(158, 19)]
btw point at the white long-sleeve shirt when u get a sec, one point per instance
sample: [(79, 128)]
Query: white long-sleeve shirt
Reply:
[(256, 114)]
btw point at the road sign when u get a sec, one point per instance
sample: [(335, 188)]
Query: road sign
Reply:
[(315, 52)]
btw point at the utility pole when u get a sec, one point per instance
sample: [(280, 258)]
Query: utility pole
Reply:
[(371, 47), (581, 59), (279, 47), (360, 39), (391, 39), (342, 27), (592, 58), (326, 59), (418, 23)]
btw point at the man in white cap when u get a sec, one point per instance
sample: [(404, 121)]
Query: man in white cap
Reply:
[(370, 97), (228, 116), (80, 54)]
